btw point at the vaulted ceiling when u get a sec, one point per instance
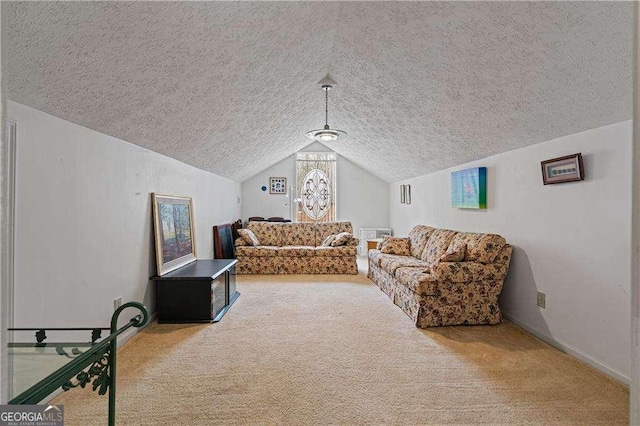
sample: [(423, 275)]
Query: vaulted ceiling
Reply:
[(231, 87)]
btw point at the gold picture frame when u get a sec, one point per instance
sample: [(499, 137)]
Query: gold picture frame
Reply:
[(173, 226)]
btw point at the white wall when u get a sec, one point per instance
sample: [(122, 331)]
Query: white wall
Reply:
[(572, 241), (634, 398), (84, 231), (256, 202), (362, 197)]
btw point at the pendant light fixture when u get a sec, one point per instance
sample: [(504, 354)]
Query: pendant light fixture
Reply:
[(326, 134)]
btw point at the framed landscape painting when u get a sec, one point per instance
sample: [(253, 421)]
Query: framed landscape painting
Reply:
[(173, 228), (469, 188)]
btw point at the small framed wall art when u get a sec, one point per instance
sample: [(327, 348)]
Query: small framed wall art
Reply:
[(562, 169), (402, 194), (277, 185), (407, 194)]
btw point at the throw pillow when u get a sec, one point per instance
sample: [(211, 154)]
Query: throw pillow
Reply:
[(327, 241), (395, 245), (456, 251), (342, 239), (249, 237)]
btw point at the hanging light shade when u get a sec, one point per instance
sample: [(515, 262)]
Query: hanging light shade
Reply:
[(326, 134)]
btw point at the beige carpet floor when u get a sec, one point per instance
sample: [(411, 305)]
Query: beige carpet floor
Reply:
[(335, 350)]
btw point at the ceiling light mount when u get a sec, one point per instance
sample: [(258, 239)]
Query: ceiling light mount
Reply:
[(326, 134)]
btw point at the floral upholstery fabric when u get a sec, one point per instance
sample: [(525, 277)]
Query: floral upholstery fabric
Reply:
[(296, 265), (440, 293), (375, 257), (437, 245), (463, 272), (418, 238), (269, 233), (382, 279), (336, 251), (481, 248), (342, 239), (240, 242), (353, 242), (260, 251), (391, 262), (298, 234), (418, 280), (324, 229), (335, 265), (394, 245), (456, 251), (296, 251), (249, 237), (258, 265), (303, 256)]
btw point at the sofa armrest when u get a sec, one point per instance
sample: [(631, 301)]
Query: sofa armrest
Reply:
[(463, 272), (240, 242)]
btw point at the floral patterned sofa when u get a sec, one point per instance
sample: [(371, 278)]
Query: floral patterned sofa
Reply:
[(443, 277), (296, 248)]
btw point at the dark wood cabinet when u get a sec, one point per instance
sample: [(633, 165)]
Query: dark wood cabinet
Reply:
[(202, 291)]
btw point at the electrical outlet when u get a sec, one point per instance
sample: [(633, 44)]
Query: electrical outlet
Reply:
[(117, 303), (542, 300)]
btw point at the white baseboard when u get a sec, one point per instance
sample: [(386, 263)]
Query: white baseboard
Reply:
[(570, 350), (122, 340)]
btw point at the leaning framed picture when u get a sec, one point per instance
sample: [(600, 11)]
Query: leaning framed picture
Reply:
[(173, 228), (563, 169), (277, 185)]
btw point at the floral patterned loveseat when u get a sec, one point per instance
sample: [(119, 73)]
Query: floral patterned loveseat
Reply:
[(296, 248), (443, 277)]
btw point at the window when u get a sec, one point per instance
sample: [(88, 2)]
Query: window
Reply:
[(316, 186)]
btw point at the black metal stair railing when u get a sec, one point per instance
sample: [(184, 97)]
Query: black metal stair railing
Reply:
[(95, 366)]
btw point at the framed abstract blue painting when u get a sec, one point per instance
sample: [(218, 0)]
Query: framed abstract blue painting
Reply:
[(469, 188)]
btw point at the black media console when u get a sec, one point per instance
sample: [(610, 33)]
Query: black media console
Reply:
[(202, 291)]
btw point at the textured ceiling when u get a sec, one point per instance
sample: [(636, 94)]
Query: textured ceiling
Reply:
[(231, 87)]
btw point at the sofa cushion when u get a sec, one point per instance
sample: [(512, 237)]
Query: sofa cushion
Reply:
[(437, 245), (298, 234), (249, 237), (240, 242), (260, 251), (418, 280), (391, 262), (296, 251), (456, 251), (418, 238), (324, 229), (336, 251), (483, 248), (342, 239), (269, 233), (394, 245), (327, 241), (467, 271)]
